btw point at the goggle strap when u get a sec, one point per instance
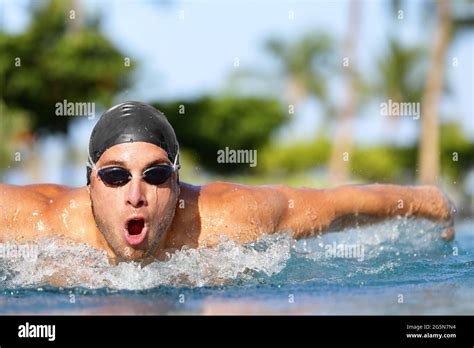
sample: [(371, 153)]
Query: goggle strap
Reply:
[(176, 166), (90, 164)]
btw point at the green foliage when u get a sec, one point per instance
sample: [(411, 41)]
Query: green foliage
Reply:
[(60, 59), (382, 164), (305, 61), (13, 124), (399, 164), (212, 124), (463, 19), (457, 153), (401, 76), (294, 158)]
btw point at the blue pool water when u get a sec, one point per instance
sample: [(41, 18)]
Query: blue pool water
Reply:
[(396, 267)]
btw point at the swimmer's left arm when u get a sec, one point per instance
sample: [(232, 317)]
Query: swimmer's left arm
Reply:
[(312, 211)]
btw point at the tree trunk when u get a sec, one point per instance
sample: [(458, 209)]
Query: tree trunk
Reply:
[(429, 142), (75, 24), (296, 91), (341, 154)]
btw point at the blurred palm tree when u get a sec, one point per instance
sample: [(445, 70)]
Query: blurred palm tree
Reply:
[(452, 19), (304, 64), (401, 77), (400, 74), (429, 139), (338, 171), (61, 55)]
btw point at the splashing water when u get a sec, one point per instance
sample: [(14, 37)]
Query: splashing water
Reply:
[(395, 256), (65, 264)]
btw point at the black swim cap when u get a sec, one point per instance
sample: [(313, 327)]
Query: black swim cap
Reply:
[(132, 122)]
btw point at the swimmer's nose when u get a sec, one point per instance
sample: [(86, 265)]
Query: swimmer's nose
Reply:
[(135, 195)]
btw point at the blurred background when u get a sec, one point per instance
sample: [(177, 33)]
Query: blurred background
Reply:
[(306, 84)]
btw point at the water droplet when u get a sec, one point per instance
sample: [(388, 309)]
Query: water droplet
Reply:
[(40, 226), (64, 217)]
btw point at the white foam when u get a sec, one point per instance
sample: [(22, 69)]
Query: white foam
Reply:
[(66, 264), (406, 236)]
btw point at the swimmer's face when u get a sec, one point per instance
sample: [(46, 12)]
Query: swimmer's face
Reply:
[(133, 217)]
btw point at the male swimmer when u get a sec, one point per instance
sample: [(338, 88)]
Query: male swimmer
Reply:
[(135, 207)]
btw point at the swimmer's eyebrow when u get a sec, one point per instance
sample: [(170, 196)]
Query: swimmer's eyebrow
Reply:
[(158, 161), (114, 162)]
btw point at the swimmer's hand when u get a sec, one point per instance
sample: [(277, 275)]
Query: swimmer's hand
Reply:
[(443, 210)]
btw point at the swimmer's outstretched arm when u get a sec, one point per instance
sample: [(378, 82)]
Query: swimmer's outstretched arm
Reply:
[(311, 211)]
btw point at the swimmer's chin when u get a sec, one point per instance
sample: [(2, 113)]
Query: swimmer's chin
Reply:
[(144, 261), (114, 260), (133, 255)]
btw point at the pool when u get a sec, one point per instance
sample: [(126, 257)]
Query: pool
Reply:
[(396, 267)]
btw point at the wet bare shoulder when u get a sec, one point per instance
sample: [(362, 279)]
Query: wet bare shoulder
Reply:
[(71, 213), (240, 212), (247, 200), (28, 212), (21, 207), (38, 192)]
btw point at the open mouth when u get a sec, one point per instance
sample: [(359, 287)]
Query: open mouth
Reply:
[(136, 226), (135, 230)]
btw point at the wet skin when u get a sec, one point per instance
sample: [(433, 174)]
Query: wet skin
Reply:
[(179, 215)]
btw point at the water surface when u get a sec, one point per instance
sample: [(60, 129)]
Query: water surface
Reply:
[(396, 267)]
